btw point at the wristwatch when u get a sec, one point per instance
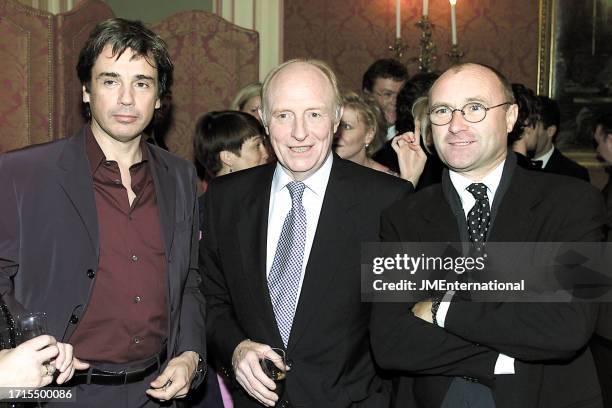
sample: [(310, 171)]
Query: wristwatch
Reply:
[(435, 305)]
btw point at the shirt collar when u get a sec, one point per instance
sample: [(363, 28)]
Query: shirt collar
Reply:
[(96, 155), (391, 132), (545, 157), (491, 180), (317, 182)]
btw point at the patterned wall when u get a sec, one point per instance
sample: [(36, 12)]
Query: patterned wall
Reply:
[(351, 34)]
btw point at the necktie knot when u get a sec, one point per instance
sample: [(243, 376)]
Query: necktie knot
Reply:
[(296, 189), (478, 190)]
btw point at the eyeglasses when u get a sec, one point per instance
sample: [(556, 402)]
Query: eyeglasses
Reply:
[(386, 95), (473, 112)]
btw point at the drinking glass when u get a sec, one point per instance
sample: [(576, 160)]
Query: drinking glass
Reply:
[(29, 325), (270, 362)]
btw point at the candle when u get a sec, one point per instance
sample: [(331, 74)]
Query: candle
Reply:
[(398, 22), (453, 22), (425, 8)]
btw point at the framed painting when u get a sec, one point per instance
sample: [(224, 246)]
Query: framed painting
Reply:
[(575, 65)]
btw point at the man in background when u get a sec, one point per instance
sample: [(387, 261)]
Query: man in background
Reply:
[(602, 339), (546, 156), (383, 80)]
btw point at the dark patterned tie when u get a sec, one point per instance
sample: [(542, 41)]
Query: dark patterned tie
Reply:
[(479, 216), (286, 271)]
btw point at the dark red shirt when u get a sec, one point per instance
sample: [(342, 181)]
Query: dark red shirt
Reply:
[(126, 318)]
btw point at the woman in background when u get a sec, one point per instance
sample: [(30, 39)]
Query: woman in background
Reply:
[(225, 142), (359, 135), (248, 100), (228, 141)]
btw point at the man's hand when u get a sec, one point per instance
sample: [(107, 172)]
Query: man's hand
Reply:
[(26, 364), (422, 310), (249, 374), (66, 363), (175, 380), (410, 156)]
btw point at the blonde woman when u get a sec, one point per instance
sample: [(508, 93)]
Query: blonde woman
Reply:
[(359, 135), (248, 100)]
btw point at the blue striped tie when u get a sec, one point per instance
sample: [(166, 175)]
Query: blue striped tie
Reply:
[(284, 277)]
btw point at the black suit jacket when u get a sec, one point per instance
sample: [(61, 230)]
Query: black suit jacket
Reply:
[(432, 173), (49, 237), (560, 164), (553, 366), (329, 347)]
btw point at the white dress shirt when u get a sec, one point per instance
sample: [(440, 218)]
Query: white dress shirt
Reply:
[(545, 157), (280, 205), (504, 363), (390, 132)]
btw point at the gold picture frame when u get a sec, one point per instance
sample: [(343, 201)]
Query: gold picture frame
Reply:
[(558, 38), (547, 20)]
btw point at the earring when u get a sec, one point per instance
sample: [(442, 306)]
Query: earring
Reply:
[(367, 145)]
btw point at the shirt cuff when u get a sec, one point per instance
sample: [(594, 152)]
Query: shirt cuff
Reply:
[(443, 308), (504, 365)]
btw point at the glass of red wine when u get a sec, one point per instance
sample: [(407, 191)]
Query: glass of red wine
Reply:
[(274, 366)]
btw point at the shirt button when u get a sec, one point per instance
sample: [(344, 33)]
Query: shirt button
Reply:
[(91, 273), (137, 299), (136, 340), (74, 319), (134, 258), (116, 181)]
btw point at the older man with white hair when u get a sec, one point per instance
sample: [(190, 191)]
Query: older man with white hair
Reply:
[(281, 254)]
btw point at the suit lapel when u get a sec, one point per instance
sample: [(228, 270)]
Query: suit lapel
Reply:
[(165, 195), (252, 235), (75, 178), (442, 216), (514, 217), (334, 220)]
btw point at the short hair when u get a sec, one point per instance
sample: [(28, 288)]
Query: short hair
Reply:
[(122, 34), (603, 118), (550, 114), (413, 89), (383, 68), (506, 87), (370, 114), (528, 111), (222, 130), (318, 64), (244, 94)]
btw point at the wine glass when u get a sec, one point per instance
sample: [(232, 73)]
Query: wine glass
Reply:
[(29, 325), (270, 362)]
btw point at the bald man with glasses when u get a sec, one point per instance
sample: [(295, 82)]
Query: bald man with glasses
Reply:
[(455, 352)]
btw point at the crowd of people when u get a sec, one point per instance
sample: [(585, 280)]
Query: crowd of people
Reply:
[(164, 282)]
